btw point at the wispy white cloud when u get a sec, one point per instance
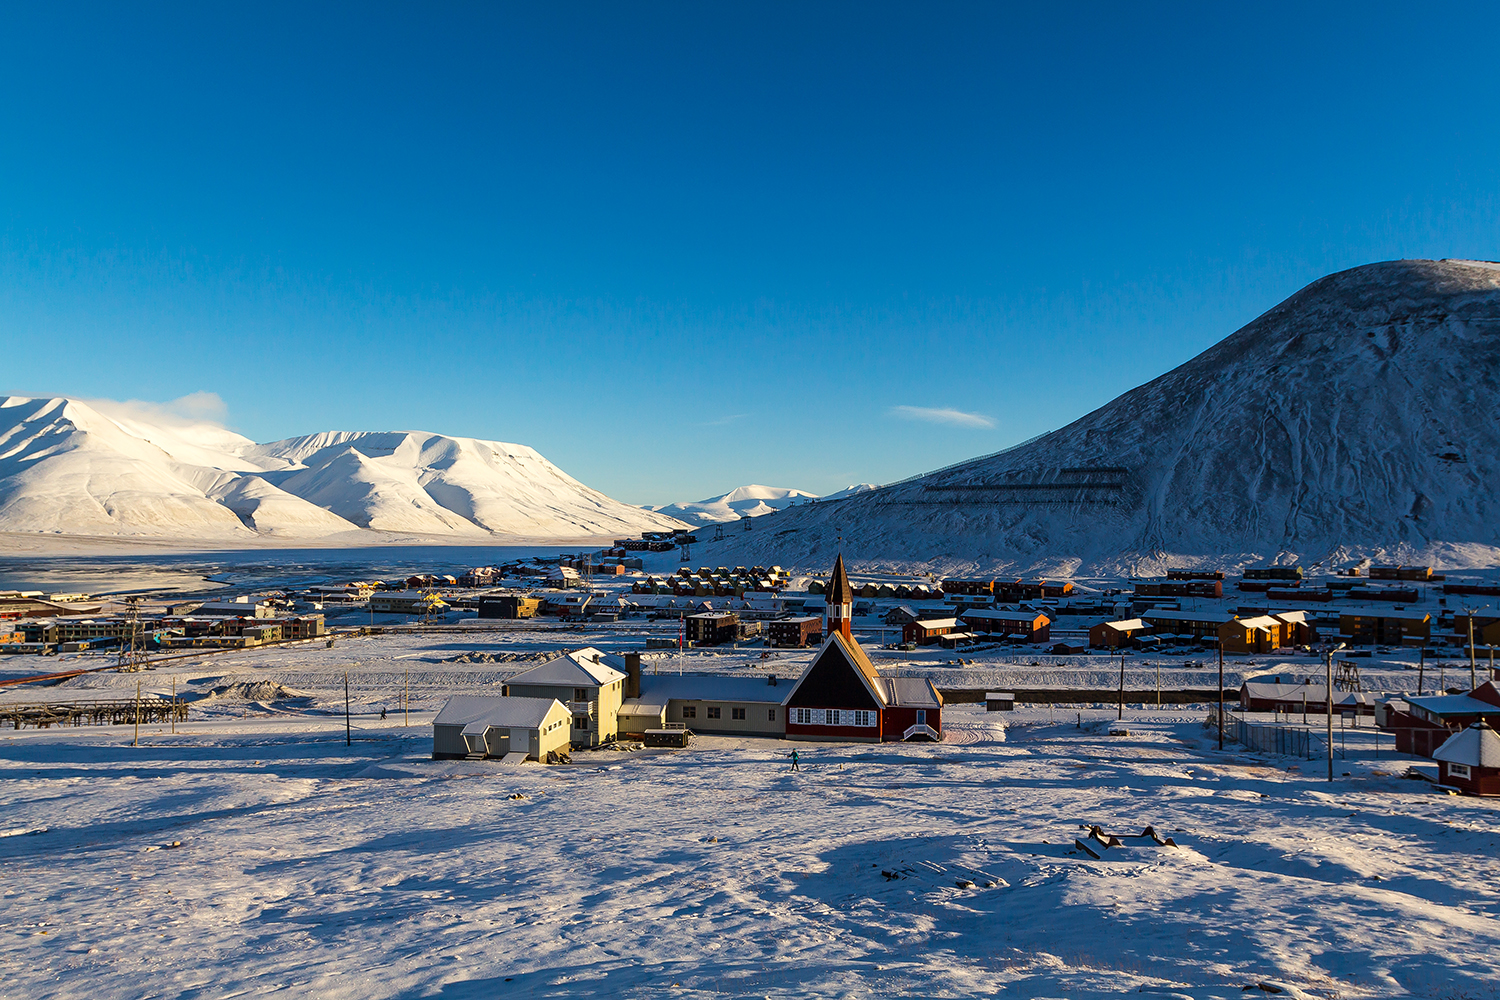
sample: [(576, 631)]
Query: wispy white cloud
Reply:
[(193, 409), (942, 415)]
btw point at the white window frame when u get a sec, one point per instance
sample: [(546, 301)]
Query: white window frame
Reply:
[(1459, 771)]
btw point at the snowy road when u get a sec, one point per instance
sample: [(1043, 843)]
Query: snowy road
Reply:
[(325, 871)]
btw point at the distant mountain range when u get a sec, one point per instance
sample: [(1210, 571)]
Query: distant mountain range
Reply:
[(69, 468), (748, 501), (1357, 418)]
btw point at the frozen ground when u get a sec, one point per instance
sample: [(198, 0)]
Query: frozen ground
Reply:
[(372, 871)]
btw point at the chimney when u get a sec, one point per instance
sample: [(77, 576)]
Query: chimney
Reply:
[(632, 675)]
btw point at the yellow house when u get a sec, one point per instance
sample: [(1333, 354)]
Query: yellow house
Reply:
[(588, 683)]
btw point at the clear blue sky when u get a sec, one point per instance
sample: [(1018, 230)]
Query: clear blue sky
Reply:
[(682, 247)]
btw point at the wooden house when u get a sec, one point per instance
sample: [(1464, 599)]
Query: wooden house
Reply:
[(925, 633), (1033, 625), (1112, 635), (1260, 634), (589, 684), (1470, 760), (1385, 626)]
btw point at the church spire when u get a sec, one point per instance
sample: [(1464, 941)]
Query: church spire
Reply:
[(840, 599)]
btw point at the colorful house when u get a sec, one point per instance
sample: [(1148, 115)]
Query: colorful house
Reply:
[(1470, 760)]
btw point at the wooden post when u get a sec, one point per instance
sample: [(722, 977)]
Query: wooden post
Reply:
[(1121, 713), (1421, 668), (1473, 679), (1328, 679), (406, 697), (348, 735), (137, 741), (1221, 696), (174, 704)]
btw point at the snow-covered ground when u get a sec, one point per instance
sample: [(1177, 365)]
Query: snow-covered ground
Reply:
[(257, 855), (306, 865)]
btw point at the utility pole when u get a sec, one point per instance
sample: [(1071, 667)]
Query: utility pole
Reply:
[(1121, 713), (349, 736), (1473, 678), (1421, 668), (137, 741), (1221, 697), (1328, 675)]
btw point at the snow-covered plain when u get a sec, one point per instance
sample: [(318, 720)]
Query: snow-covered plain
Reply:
[(372, 871)]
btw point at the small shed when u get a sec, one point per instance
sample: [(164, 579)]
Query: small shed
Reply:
[(999, 701), (1470, 760), (637, 717)]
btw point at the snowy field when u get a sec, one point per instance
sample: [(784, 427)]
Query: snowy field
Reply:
[(261, 855)]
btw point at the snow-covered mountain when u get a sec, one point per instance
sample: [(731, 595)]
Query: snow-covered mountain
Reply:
[(69, 468), (748, 501), (1357, 418)]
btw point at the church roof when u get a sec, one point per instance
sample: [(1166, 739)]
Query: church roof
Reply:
[(839, 591)]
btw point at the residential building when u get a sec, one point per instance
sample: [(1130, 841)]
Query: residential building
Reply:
[(1031, 625), (589, 683), (712, 628), (491, 726), (1470, 760), (796, 631)]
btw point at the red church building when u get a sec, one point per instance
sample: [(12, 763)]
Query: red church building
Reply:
[(842, 697)]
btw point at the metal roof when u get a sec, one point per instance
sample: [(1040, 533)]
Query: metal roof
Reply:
[(1477, 746), (495, 710), (584, 667)]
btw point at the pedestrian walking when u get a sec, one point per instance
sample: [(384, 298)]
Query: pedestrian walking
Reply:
[(795, 766), (382, 713)]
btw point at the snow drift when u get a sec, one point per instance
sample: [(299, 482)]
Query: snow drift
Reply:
[(68, 468), (1354, 419)]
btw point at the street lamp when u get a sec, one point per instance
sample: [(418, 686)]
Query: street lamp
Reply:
[(1328, 690)]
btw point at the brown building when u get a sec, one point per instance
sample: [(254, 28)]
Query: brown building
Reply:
[(796, 631), (1383, 627), (1470, 760), (925, 633), (1036, 627), (712, 628), (1112, 635)]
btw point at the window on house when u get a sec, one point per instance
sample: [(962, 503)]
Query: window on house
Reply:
[(803, 716), (771, 715), (736, 713), (713, 711), (1458, 770), (830, 717), (689, 711), (580, 694), (580, 722)]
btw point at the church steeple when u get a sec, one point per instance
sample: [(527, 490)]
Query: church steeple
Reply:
[(840, 600)]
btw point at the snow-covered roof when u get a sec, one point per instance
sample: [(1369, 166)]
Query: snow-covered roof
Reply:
[(634, 706), (1440, 706), (584, 667), (911, 692), (1127, 625), (712, 687), (1261, 622), (1004, 616), (495, 710), (937, 623), (1477, 746), (1189, 616)]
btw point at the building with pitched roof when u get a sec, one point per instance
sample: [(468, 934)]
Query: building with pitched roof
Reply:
[(588, 682), (477, 725), (1470, 760), (842, 697)]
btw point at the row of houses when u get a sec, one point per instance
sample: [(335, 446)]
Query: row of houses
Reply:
[(586, 697)]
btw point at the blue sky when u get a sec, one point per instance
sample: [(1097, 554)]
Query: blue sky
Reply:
[(682, 247)]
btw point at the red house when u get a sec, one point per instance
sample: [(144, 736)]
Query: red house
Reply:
[(842, 697), (1470, 760)]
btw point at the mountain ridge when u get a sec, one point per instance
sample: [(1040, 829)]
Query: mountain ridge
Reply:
[(66, 468), (1347, 420)]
